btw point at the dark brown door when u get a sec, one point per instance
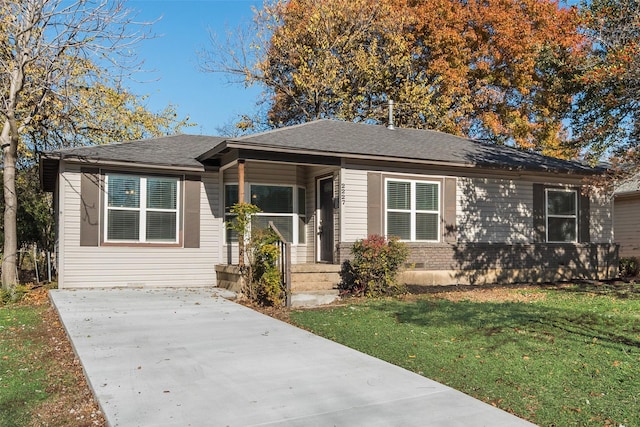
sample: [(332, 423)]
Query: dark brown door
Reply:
[(325, 223)]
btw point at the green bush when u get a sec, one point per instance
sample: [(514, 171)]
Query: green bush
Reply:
[(629, 267), (373, 271), (12, 295), (266, 279)]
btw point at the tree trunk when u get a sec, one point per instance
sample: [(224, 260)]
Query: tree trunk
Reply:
[(9, 141)]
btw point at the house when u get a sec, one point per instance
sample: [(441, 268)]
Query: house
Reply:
[(152, 212), (626, 218)]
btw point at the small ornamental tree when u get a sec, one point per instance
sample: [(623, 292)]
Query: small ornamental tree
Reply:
[(262, 278), (373, 271), (266, 280), (240, 224)]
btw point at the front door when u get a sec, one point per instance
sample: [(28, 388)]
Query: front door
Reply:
[(325, 220)]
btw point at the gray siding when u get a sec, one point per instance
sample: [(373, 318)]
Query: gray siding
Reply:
[(494, 210), (601, 220), (627, 225), (102, 266)]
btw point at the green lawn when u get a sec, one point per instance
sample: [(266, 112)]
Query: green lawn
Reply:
[(567, 356), (23, 375)]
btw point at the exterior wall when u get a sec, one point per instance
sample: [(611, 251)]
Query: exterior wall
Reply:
[(353, 204), (495, 239), (102, 266), (627, 225), (494, 210)]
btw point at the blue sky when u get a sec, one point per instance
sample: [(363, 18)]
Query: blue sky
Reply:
[(208, 99)]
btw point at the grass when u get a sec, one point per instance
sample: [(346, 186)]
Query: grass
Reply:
[(41, 381), (556, 357), (22, 383)]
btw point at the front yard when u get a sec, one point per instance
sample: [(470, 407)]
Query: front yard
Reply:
[(41, 381), (558, 356)]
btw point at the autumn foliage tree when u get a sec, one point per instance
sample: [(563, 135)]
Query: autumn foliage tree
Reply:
[(607, 116), (61, 64), (491, 69)]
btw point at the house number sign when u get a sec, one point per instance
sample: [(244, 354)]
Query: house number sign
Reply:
[(343, 193)]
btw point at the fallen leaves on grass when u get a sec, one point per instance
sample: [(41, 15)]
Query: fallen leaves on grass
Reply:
[(69, 400)]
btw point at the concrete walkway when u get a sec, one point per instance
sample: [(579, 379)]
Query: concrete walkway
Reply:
[(185, 357)]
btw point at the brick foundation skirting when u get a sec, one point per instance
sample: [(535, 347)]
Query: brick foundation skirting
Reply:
[(557, 261)]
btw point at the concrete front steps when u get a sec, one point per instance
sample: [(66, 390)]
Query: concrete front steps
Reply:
[(314, 284)]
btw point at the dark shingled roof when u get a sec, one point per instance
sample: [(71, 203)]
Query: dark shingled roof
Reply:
[(345, 139), (180, 151), (327, 138)]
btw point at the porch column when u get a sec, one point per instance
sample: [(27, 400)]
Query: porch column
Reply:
[(241, 181)]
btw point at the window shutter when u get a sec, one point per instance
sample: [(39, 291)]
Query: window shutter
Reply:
[(584, 218), (191, 227), (539, 234), (449, 203), (89, 206), (374, 203)]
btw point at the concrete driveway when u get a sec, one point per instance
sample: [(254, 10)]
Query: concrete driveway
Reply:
[(186, 357)]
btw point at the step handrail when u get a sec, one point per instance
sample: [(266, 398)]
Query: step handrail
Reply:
[(285, 263)]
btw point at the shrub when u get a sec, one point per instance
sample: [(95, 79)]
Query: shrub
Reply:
[(629, 267), (265, 277), (374, 268), (12, 295)]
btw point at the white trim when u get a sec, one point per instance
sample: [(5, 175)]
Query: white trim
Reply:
[(142, 209), (546, 213), (413, 211)]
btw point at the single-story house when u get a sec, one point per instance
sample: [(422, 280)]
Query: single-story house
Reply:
[(626, 218), (152, 212)]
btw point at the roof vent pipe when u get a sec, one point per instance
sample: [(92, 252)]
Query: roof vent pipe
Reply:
[(391, 126)]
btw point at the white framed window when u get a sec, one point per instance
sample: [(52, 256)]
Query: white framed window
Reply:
[(412, 210), (284, 205), (561, 215), (141, 209)]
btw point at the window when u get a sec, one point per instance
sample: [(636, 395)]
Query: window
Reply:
[(141, 209), (562, 215), (279, 204), (413, 210)]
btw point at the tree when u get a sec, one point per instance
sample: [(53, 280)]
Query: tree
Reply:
[(486, 69), (57, 87), (607, 115)]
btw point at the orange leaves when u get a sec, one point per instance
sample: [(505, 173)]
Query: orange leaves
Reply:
[(483, 68)]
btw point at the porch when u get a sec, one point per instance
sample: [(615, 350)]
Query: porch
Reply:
[(311, 284)]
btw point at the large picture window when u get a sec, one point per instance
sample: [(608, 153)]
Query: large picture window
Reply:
[(562, 215), (141, 209), (413, 210), (283, 205)]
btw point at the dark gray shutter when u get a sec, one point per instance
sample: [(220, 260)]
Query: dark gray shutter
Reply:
[(374, 204), (191, 230), (449, 203), (584, 218), (89, 207), (539, 233)]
